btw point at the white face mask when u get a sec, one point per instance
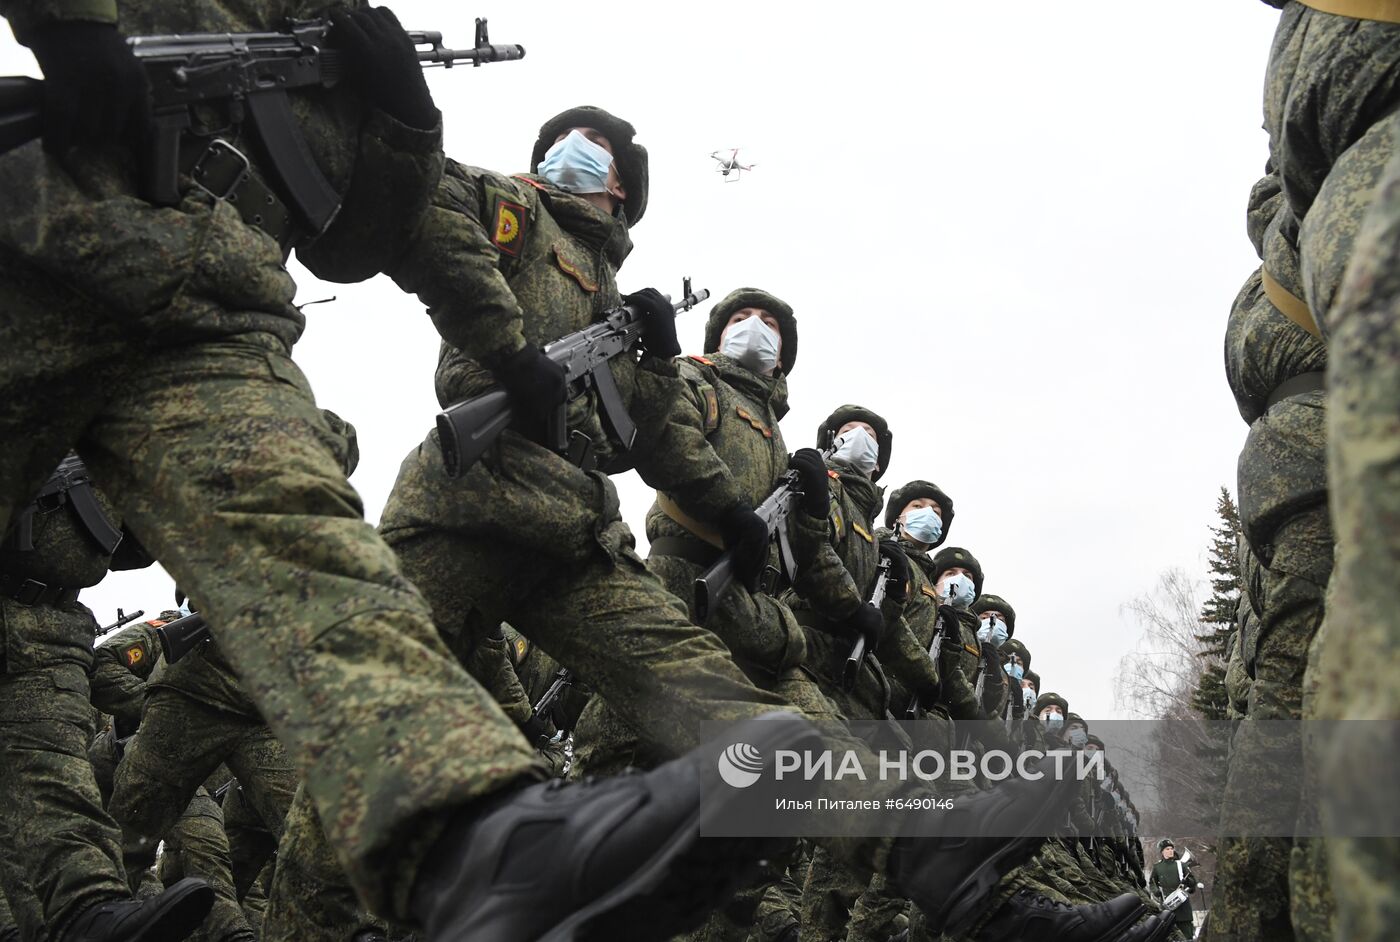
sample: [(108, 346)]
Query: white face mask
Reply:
[(855, 449), (959, 590), (924, 525), (753, 343), (577, 164)]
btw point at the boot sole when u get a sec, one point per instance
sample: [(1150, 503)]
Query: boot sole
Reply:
[(181, 910), (970, 895)]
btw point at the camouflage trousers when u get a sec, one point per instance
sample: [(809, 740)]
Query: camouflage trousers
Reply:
[(221, 463), (52, 808), (1254, 898), (197, 846), (182, 744)]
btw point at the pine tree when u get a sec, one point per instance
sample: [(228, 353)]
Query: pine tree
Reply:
[(1218, 612)]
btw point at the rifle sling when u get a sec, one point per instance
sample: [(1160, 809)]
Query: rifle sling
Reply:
[(690, 549), (220, 169), (671, 509), (1385, 11)]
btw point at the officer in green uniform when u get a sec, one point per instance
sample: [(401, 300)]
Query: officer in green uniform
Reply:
[(62, 542), (1167, 874)]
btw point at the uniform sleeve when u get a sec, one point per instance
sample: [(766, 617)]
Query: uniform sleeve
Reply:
[(121, 666), (490, 664), (904, 659), (397, 170), (25, 15), (959, 694), (822, 579), (452, 266), (672, 453)]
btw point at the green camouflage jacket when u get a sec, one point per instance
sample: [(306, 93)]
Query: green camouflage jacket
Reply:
[(195, 269)]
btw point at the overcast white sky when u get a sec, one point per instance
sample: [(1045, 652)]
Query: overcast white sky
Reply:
[(1016, 234)]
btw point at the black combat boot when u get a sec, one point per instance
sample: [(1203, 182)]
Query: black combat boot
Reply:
[(1155, 928), (168, 917), (1029, 915), (981, 838), (607, 859)]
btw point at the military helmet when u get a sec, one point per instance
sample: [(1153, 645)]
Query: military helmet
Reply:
[(1073, 718), (1034, 678), (741, 298), (1011, 646), (995, 603), (951, 556), (1164, 843), (630, 157), (1047, 698), (826, 432), (913, 491)]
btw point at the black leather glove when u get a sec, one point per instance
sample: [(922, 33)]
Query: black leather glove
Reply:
[(384, 65), (897, 585), (94, 89), (866, 622), (746, 536), (658, 322), (536, 387), (816, 492)]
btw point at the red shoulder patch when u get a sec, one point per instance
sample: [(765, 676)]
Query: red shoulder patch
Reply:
[(699, 359), (134, 655), (534, 183)]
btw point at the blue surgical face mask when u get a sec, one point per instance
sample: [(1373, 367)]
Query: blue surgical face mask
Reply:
[(1053, 721), (753, 343), (924, 525), (959, 590), (185, 608), (1015, 671), (1078, 737), (577, 164), (857, 450), (1028, 695), (993, 630)]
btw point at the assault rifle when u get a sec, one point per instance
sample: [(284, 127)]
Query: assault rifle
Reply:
[(935, 652), (252, 71), (122, 619), (183, 635), (851, 670), (467, 428), (564, 678), (774, 511)]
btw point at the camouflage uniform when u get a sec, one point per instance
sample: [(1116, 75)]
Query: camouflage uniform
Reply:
[(1331, 92), (524, 536), (60, 543), (158, 340)]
